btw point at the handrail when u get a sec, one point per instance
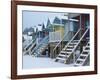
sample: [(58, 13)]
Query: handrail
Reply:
[(61, 40), (29, 49), (81, 38), (44, 39), (83, 34), (30, 43), (73, 37), (39, 44), (82, 52)]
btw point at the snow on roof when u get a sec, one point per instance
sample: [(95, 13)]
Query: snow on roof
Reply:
[(63, 17), (74, 20), (66, 18), (39, 27)]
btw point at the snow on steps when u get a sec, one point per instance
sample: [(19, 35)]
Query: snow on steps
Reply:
[(84, 56), (67, 51)]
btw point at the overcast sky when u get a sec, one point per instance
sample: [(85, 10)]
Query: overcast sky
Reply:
[(33, 18)]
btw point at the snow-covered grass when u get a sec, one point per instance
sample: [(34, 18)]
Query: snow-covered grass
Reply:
[(30, 62)]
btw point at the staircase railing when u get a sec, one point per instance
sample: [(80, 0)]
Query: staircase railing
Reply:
[(81, 53), (60, 41), (29, 43), (74, 48), (79, 43), (41, 43), (72, 38), (82, 37), (29, 46), (44, 39)]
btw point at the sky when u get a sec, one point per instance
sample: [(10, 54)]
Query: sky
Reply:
[(33, 18)]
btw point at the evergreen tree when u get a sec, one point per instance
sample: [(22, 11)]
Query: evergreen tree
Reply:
[(25, 31)]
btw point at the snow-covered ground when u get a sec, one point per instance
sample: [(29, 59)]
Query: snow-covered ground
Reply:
[(30, 62)]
